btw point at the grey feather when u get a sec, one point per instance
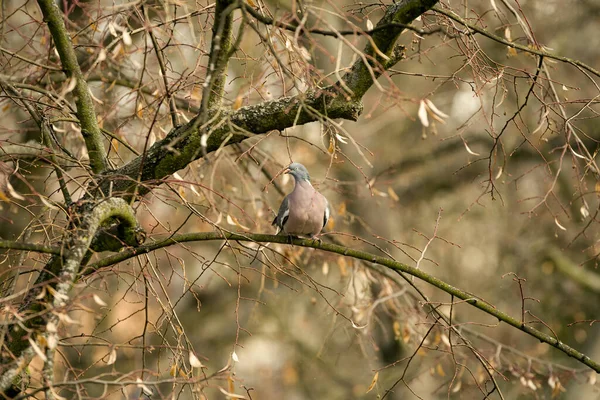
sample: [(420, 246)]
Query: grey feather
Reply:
[(281, 217), (298, 171)]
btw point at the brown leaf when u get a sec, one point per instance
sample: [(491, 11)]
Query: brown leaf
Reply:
[(373, 382)]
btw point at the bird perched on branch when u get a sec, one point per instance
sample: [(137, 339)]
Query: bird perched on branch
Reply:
[(303, 212)]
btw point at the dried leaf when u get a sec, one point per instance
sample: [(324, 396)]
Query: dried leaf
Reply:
[(577, 154), (379, 193), (469, 149), (369, 25), (422, 113), (592, 378), (440, 370), (71, 83), (331, 147), (523, 381), (393, 194), (499, 174), (37, 350), (99, 301), (195, 362), (341, 208), (58, 295), (341, 138), (139, 110), (397, 330), (229, 394), (559, 225), (373, 382), (147, 391), (194, 190), (233, 221), (127, 38), (435, 110), (101, 55), (494, 5), (507, 34), (304, 53), (239, 100), (42, 294), (406, 335), (457, 387), (112, 29), (12, 192), (97, 100), (67, 320), (234, 357), (112, 357), (445, 340)]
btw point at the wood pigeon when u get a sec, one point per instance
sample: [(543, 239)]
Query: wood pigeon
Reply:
[(303, 212)]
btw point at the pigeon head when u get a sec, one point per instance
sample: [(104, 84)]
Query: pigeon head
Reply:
[(298, 171)]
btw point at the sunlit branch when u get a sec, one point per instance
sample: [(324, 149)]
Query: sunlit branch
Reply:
[(471, 299)]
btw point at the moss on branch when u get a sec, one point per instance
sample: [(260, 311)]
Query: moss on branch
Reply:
[(226, 127), (86, 113), (60, 274)]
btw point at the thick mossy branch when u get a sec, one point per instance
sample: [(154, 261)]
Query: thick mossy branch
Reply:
[(361, 255), (359, 78), (184, 145), (220, 51), (86, 113), (60, 274)]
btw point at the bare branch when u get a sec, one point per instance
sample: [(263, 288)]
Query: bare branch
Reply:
[(88, 218), (527, 49), (469, 298)]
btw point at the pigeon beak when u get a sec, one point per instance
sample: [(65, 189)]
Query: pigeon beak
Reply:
[(287, 171)]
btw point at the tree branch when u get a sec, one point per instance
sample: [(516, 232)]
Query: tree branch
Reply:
[(396, 17), (13, 245), (83, 100), (181, 145), (87, 219), (469, 298), (528, 49), (226, 127)]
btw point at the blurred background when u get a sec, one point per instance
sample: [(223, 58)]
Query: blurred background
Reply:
[(468, 161)]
